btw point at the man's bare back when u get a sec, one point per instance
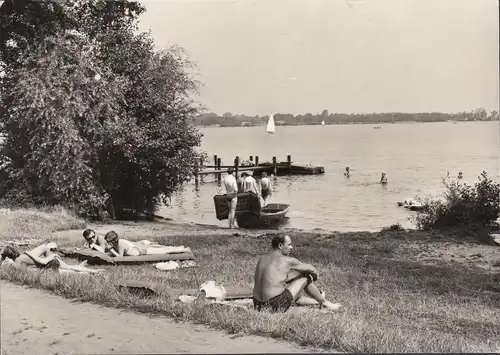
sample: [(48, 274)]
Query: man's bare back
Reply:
[(270, 276)]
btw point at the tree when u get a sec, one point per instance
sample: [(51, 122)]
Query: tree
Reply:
[(94, 113), (480, 114)]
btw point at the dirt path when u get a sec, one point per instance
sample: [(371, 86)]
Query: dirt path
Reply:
[(37, 322)]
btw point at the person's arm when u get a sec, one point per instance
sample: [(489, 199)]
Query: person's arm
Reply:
[(113, 252), (255, 188), (121, 248), (234, 185), (94, 246), (100, 244), (301, 267), (40, 260)]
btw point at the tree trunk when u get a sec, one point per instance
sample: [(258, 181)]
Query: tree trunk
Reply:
[(111, 208)]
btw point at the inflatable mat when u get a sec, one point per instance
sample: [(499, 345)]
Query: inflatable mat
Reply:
[(247, 202), (150, 287), (94, 257)]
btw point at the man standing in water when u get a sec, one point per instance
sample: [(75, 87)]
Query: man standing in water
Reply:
[(279, 279), (232, 191), (265, 185)]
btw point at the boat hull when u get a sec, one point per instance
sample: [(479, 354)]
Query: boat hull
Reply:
[(272, 215)]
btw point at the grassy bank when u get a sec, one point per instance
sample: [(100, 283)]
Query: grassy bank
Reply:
[(402, 291), (25, 224)]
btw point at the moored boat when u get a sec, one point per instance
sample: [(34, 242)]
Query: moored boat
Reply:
[(249, 214)]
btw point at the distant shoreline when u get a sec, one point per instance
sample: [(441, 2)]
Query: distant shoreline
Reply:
[(337, 123)]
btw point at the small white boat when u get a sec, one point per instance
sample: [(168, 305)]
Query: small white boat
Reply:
[(322, 123), (271, 128)]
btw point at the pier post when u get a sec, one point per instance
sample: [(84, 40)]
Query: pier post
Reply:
[(215, 163), (275, 167), (196, 175), (217, 166), (289, 163), (201, 169), (236, 165), (256, 160), (251, 158)]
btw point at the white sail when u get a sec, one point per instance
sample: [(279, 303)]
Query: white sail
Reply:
[(322, 123), (270, 125)]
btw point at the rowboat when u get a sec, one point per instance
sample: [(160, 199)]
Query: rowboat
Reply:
[(249, 214)]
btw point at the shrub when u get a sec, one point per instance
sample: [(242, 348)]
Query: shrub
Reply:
[(397, 227), (463, 206), (96, 119)]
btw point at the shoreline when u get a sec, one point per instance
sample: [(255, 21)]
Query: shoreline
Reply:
[(342, 124)]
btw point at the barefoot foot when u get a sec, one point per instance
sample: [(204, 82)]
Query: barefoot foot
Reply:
[(331, 306)]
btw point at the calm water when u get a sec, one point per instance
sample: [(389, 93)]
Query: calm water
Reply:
[(415, 158)]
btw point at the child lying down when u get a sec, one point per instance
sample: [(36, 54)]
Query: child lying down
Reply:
[(43, 257)]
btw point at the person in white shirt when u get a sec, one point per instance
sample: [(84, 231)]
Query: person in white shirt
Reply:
[(249, 184), (232, 191)]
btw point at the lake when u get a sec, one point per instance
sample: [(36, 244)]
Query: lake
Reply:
[(415, 157)]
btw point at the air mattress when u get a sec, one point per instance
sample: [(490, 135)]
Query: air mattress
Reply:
[(247, 202), (94, 257), (233, 293)]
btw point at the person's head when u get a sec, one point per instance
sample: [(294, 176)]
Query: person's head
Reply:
[(89, 236), (264, 174), (383, 174), (347, 169), (283, 243), (230, 171), (244, 174), (112, 238), (10, 252)]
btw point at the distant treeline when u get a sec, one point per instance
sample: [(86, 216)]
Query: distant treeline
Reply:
[(230, 120)]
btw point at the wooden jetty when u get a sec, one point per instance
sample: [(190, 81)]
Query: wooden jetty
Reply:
[(271, 168)]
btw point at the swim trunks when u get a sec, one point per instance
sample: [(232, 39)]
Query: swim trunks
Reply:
[(277, 304)]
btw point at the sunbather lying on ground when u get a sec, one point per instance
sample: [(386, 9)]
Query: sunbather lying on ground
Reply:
[(280, 278), (123, 247), (43, 257), (95, 242)]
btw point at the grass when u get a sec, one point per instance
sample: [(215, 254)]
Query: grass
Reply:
[(393, 301), (22, 224)]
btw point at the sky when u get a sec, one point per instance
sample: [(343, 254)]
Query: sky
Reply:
[(349, 56)]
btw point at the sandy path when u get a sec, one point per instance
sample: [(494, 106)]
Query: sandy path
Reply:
[(37, 322)]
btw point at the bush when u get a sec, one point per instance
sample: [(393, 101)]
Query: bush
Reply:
[(463, 206), (397, 227), (94, 120)]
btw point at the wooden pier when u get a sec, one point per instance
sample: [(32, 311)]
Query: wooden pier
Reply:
[(271, 168)]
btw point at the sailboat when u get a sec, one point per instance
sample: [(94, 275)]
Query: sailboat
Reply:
[(323, 122), (270, 125)]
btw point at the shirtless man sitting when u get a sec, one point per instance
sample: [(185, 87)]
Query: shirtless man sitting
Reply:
[(280, 278)]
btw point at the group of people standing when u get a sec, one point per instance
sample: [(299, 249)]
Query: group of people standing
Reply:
[(245, 183)]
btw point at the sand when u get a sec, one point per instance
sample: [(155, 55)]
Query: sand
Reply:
[(37, 322)]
